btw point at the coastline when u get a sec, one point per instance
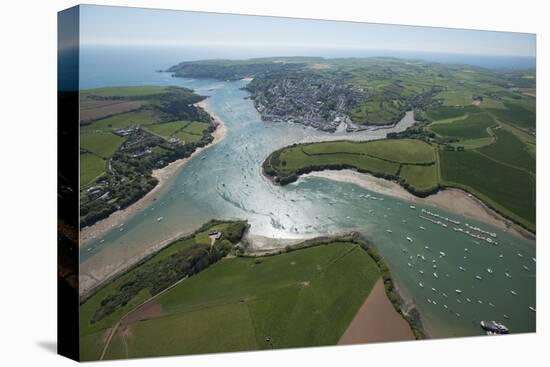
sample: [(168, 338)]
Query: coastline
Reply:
[(163, 175), (451, 199)]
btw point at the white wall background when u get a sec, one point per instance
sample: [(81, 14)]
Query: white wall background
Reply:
[(28, 180)]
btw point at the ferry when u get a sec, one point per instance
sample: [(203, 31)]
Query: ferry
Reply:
[(493, 327)]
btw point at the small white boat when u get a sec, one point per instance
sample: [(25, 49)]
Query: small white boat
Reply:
[(421, 285), (489, 270), (442, 254), (468, 300), (534, 260), (434, 290), (422, 228), (409, 239), (458, 291), (421, 272), (412, 207), (159, 219), (461, 268), (506, 316), (532, 309), (478, 277), (409, 265), (520, 255), (101, 241), (525, 267), (508, 275), (445, 307), (435, 275), (514, 293), (389, 230)]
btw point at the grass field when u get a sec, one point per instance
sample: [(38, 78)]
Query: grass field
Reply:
[(91, 167), (448, 112), (519, 114), (91, 330), (302, 298), (187, 131), (135, 91), (473, 127), (139, 117), (379, 112), (455, 98), (422, 178), (103, 144), (509, 190), (380, 158), (510, 150)]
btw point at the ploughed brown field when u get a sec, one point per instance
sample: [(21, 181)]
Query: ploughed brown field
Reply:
[(377, 321), (91, 110)]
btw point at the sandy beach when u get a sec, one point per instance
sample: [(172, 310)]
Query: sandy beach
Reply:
[(377, 321), (453, 200), (163, 175)]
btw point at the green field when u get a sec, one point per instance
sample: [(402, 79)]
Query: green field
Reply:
[(519, 114), (377, 112), (103, 144), (473, 127), (91, 167), (450, 112), (137, 91), (141, 282), (122, 120), (187, 131), (303, 298), (385, 158), (509, 150), (422, 178), (509, 190), (455, 98)]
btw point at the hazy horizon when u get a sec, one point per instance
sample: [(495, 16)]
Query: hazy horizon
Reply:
[(139, 27)]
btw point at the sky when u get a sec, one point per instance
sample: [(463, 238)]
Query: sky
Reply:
[(120, 26)]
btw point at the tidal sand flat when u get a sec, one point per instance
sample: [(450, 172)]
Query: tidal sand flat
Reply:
[(454, 200)]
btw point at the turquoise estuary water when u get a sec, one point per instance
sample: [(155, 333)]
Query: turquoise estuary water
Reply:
[(436, 271)]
